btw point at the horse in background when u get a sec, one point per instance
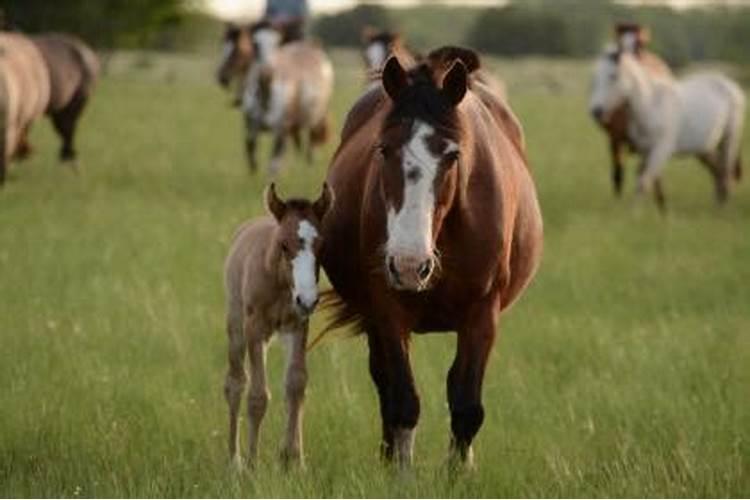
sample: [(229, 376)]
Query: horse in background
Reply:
[(271, 276), (632, 37), (238, 51), (379, 45), (701, 115), (73, 70), (287, 92), (436, 227), (24, 95)]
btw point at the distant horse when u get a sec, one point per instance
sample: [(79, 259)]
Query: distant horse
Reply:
[(24, 94), (73, 70), (271, 277), (379, 45), (436, 227), (634, 38), (238, 53), (701, 115), (287, 92)]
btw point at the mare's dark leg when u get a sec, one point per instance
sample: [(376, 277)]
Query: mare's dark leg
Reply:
[(65, 122), (279, 147), (618, 172), (251, 143), (399, 403), (475, 340)]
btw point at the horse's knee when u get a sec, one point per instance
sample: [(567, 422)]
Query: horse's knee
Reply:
[(234, 385), (466, 421), (406, 410), (257, 402)]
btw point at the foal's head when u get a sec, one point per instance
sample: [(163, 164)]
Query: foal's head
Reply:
[(418, 154), (237, 53), (298, 243)]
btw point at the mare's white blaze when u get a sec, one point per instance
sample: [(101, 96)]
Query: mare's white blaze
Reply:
[(267, 40), (410, 229), (375, 55), (305, 285)]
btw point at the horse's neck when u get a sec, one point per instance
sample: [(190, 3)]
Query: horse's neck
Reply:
[(643, 96)]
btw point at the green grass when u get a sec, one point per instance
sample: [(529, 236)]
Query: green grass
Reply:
[(623, 371)]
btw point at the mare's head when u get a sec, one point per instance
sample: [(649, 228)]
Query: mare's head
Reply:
[(613, 82), (237, 53), (377, 45), (418, 155), (298, 243)]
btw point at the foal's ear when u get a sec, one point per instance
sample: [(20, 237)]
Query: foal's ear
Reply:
[(455, 83), (274, 204), (394, 78), (324, 202)]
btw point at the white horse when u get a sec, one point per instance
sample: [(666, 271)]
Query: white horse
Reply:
[(287, 91), (700, 115)]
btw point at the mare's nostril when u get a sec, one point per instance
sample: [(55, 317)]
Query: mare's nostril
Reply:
[(425, 269), (298, 300)]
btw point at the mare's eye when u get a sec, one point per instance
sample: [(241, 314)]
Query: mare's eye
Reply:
[(383, 150), (452, 157)]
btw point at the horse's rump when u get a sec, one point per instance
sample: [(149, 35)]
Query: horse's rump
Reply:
[(73, 67)]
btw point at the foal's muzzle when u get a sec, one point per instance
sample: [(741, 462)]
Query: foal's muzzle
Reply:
[(598, 113)]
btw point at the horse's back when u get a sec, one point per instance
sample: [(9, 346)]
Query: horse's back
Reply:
[(306, 65), (73, 67)]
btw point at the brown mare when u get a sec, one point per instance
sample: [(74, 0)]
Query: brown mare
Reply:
[(436, 228), (73, 70), (616, 127), (271, 276), (24, 95)]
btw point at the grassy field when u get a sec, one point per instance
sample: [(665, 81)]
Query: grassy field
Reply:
[(623, 371)]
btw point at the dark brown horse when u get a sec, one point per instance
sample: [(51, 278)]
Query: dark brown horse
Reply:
[(73, 71), (634, 37), (436, 227)]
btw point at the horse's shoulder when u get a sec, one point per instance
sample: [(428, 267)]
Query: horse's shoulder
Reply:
[(362, 111)]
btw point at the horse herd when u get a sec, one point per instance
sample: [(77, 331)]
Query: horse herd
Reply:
[(428, 218)]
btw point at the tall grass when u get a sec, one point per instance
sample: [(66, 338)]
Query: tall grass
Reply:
[(623, 371)]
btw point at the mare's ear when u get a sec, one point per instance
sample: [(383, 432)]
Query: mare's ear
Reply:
[(455, 83), (324, 202), (394, 78), (274, 204)]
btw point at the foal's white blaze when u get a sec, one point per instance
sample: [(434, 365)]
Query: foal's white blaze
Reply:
[(375, 55), (305, 286), (410, 229), (629, 41), (605, 89)]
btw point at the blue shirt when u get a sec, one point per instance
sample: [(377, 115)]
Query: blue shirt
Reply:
[(286, 8)]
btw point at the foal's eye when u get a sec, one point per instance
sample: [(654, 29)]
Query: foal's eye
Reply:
[(285, 248)]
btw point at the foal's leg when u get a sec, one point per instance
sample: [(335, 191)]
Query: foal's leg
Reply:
[(652, 166), (615, 149), (465, 378), (258, 396), (712, 162), (296, 381), (234, 386), (399, 402)]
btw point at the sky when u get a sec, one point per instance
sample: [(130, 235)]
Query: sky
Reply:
[(233, 9)]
